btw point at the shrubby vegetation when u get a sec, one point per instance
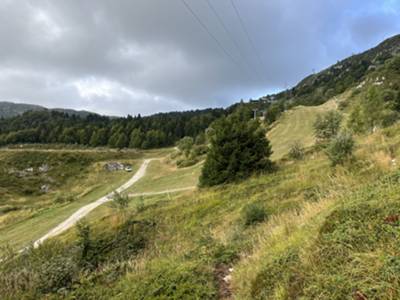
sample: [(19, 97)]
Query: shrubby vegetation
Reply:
[(379, 108), (340, 149), (253, 214), (296, 151), (327, 125), (61, 269), (239, 148)]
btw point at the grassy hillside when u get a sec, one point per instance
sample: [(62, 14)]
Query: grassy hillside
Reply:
[(296, 125), (318, 240), (74, 178), (307, 230)]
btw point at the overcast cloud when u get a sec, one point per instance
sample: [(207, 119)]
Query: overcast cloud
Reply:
[(144, 56)]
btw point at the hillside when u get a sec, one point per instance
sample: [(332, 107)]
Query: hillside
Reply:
[(296, 125), (10, 109), (320, 87), (305, 229), (186, 243)]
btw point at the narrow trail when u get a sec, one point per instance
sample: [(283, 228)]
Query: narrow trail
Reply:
[(163, 192), (83, 211)]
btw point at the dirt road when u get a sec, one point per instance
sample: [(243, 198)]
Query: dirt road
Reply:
[(83, 211)]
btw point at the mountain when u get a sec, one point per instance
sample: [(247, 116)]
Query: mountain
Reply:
[(320, 87), (10, 109)]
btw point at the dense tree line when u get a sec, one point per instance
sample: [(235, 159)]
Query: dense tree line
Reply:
[(158, 130)]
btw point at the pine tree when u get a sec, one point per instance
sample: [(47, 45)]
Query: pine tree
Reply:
[(239, 148)]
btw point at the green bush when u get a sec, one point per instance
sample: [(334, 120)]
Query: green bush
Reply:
[(376, 109), (184, 163), (327, 125), (395, 64), (56, 273), (340, 148), (120, 202), (171, 280), (296, 151), (253, 214)]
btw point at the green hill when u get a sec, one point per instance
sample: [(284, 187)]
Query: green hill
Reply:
[(307, 230), (10, 109)]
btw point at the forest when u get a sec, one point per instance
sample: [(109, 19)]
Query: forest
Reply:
[(158, 130)]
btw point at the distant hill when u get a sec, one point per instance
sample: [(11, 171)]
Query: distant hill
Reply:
[(10, 109), (320, 87)]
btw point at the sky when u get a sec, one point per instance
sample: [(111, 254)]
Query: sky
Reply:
[(124, 57)]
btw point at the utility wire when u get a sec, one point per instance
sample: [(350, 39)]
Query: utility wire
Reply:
[(232, 38), (210, 33), (242, 24)]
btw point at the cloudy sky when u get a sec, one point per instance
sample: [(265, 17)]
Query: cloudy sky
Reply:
[(143, 56)]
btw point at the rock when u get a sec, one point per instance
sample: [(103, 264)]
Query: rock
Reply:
[(21, 173), (114, 166), (228, 278), (45, 188), (44, 168)]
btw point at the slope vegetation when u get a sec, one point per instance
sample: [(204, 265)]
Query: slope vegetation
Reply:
[(296, 125), (203, 245)]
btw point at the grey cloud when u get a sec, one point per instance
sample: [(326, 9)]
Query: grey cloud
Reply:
[(145, 56)]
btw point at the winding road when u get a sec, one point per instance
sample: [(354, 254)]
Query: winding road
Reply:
[(83, 211)]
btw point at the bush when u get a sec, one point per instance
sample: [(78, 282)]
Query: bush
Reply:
[(296, 151), (341, 148), (120, 202), (56, 273), (253, 214), (184, 163), (239, 148), (327, 125), (185, 145), (377, 109)]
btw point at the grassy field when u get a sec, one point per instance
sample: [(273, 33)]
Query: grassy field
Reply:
[(296, 125), (77, 177), (161, 176)]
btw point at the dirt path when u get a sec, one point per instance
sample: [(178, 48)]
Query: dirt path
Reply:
[(83, 211), (163, 192)]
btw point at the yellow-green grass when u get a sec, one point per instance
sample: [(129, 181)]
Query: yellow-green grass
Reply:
[(161, 176), (205, 227), (99, 183), (296, 125), (40, 213)]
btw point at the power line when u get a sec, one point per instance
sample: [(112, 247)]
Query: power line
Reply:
[(210, 33), (230, 35), (242, 24)]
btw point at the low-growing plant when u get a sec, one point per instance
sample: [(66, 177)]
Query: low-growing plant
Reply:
[(140, 205), (253, 213), (296, 151), (340, 148), (120, 202)]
